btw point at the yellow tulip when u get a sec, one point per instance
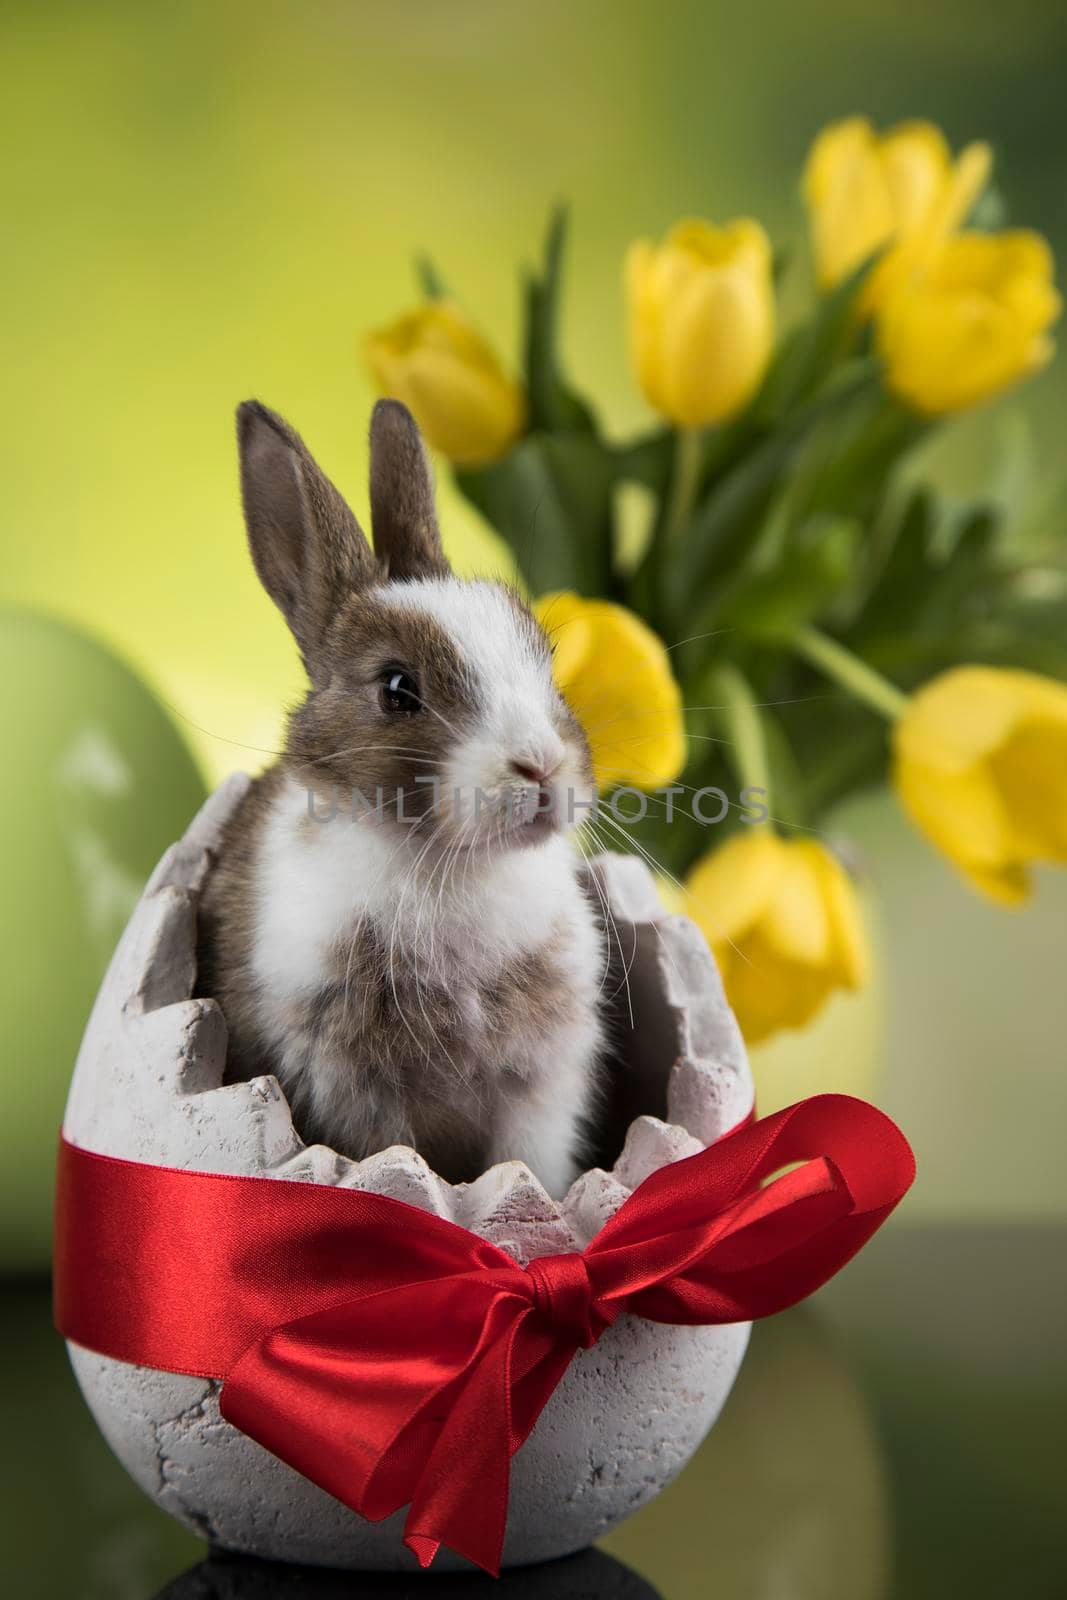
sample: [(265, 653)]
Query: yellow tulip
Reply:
[(783, 921), (615, 674), (701, 317), (971, 323), (437, 363), (980, 765), (865, 191)]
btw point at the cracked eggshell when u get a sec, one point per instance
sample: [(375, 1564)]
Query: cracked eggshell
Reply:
[(629, 1412)]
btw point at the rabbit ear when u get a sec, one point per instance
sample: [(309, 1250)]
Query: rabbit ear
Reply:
[(307, 546), (407, 540)]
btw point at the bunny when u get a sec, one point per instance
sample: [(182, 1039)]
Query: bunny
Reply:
[(417, 962)]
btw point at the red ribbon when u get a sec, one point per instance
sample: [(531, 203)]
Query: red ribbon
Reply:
[(393, 1357)]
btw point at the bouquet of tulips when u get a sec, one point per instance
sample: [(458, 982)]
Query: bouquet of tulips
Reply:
[(761, 548)]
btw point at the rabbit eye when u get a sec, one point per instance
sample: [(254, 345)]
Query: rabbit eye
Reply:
[(399, 692)]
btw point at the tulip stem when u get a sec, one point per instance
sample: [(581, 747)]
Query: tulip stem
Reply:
[(850, 672), (685, 482), (733, 696)]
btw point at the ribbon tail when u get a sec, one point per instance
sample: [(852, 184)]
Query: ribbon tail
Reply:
[(423, 1549), (461, 1498), (462, 1495)]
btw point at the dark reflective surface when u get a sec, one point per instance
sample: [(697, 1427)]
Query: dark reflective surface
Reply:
[(899, 1439), (592, 1575)]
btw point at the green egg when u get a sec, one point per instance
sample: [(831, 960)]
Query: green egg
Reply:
[(97, 784)]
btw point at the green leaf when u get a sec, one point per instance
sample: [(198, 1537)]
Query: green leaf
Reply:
[(875, 436), (771, 605), (788, 800), (648, 460), (554, 407), (1032, 636), (943, 573), (852, 755), (550, 499), (947, 593), (1014, 470), (905, 570), (990, 211), (808, 351), (781, 261), (731, 514), (1038, 530), (1016, 617), (429, 279)]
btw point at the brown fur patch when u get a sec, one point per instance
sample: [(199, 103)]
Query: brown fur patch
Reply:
[(407, 540), (343, 737), (306, 545), (226, 929), (416, 1061)]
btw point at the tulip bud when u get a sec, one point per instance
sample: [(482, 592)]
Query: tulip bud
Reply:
[(701, 315), (970, 324), (615, 675), (436, 362), (783, 921), (866, 191), (980, 766)]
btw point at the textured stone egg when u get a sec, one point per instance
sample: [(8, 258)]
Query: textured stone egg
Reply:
[(148, 1086)]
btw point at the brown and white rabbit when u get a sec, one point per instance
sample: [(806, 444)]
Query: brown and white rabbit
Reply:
[(423, 968)]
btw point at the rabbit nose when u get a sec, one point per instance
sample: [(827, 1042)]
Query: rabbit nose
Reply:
[(533, 771)]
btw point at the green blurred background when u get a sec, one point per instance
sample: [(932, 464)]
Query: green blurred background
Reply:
[(212, 201)]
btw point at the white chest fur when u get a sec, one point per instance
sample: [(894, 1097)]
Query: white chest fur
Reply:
[(459, 922), (318, 881)]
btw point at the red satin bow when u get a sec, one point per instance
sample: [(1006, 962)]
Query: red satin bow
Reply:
[(392, 1357)]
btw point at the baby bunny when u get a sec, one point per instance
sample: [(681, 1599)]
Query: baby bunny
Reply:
[(395, 925)]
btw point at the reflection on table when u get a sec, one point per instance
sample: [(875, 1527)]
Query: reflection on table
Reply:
[(591, 1575), (899, 1437), (788, 1494)]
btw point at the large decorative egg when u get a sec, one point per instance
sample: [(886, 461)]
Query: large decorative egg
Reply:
[(97, 782), (629, 1412)]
